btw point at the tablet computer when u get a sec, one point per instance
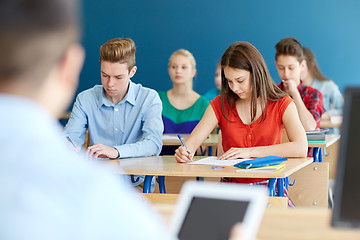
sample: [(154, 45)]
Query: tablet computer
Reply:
[(208, 210)]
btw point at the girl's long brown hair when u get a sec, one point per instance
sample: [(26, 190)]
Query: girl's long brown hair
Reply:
[(312, 65), (243, 55)]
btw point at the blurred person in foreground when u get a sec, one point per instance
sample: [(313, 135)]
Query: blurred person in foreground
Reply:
[(47, 190)]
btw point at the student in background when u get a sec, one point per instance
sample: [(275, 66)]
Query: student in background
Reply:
[(182, 106), (312, 76), (123, 118), (289, 61), (48, 191), (251, 112), (212, 93)]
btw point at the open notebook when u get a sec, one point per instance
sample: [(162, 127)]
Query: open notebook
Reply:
[(214, 162), (208, 210)]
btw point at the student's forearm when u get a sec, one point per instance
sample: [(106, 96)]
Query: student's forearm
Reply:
[(289, 149), (194, 141), (75, 131), (143, 148), (202, 130), (325, 116), (306, 118), (76, 126)]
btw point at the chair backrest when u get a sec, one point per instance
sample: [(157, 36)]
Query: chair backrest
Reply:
[(220, 150), (87, 139)]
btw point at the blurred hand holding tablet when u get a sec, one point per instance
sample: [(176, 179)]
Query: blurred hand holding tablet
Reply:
[(209, 210)]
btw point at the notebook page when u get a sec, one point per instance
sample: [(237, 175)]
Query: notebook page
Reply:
[(213, 161)]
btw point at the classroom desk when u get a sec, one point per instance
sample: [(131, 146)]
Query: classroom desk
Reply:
[(329, 124), (212, 141), (301, 223), (159, 198), (173, 140), (330, 139), (285, 224), (167, 166)]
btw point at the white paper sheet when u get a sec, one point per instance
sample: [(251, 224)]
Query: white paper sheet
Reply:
[(213, 161)]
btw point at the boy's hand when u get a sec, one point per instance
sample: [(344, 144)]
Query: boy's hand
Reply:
[(290, 86), (103, 151)]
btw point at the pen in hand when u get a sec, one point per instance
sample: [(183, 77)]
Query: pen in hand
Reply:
[(182, 143)]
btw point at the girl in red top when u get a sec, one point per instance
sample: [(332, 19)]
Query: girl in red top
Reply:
[(251, 112)]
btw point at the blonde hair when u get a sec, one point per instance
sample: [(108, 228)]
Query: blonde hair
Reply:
[(185, 53), (120, 50), (312, 65)]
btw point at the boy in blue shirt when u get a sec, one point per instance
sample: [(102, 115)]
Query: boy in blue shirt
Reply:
[(123, 118)]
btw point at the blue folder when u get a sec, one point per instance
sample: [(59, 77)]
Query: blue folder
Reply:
[(260, 162)]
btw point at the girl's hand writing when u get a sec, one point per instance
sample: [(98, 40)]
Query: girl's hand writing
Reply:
[(182, 156)]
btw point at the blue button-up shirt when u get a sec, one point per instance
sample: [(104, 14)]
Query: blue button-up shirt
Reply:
[(133, 126)]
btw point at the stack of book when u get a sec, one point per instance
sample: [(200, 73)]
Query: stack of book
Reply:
[(316, 135)]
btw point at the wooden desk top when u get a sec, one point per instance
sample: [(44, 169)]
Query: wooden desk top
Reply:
[(171, 198), (330, 139), (329, 124), (173, 140), (285, 224), (167, 166), (160, 198), (302, 223)]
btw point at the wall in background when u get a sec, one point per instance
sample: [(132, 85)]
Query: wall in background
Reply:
[(207, 27)]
